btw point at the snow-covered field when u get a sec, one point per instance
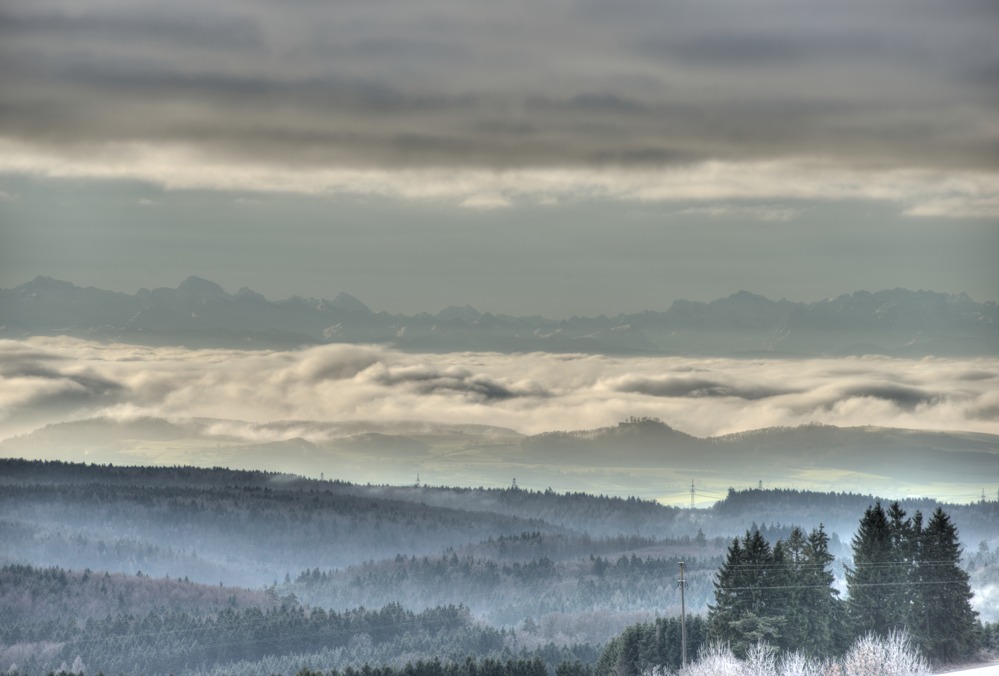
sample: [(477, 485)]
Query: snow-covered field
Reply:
[(977, 671)]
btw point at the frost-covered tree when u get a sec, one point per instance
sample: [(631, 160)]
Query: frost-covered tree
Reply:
[(892, 655)]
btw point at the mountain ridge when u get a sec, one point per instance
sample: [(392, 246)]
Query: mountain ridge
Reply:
[(199, 312)]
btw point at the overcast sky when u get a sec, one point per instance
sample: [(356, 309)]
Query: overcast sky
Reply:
[(564, 157)]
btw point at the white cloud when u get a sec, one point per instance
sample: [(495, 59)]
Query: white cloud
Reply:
[(983, 206), (46, 379), (485, 201), (923, 192), (763, 212)]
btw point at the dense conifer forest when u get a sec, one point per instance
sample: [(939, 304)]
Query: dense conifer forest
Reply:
[(181, 570)]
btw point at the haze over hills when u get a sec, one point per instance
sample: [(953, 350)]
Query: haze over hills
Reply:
[(200, 313), (638, 457), (438, 399)]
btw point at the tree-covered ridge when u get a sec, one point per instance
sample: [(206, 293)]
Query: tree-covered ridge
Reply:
[(595, 515), (18, 470), (615, 588), (182, 521), (256, 533), (50, 594), (172, 642), (838, 511)]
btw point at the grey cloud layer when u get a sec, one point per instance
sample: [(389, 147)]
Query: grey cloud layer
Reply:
[(45, 380), (695, 387), (509, 85)]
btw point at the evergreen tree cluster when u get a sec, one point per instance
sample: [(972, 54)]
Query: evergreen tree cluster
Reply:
[(905, 577), (782, 595), (506, 592), (469, 667), (643, 648), (174, 642), (990, 638)]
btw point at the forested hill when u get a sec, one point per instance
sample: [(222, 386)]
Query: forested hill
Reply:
[(252, 533), (977, 521), (779, 452), (55, 594), (593, 514), (428, 518), (643, 455), (145, 569), (19, 471)]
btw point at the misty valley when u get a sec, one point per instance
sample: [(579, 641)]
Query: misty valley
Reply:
[(210, 570)]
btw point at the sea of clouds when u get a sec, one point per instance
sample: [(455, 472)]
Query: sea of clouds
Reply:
[(44, 380)]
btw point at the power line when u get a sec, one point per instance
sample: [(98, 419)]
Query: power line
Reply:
[(246, 624), (249, 623), (873, 564), (856, 585)]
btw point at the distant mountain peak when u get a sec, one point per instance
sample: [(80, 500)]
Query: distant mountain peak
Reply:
[(344, 301), (200, 287), (466, 313), (47, 284), (247, 294), (744, 296), (200, 312)]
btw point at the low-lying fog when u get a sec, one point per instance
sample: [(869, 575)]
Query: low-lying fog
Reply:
[(45, 380)]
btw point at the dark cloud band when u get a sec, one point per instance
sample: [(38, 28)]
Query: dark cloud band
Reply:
[(511, 85)]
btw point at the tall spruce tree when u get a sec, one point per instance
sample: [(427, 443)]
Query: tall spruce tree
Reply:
[(945, 624), (814, 615), (823, 613), (919, 627), (749, 597), (877, 575), (901, 596), (796, 628), (730, 600)]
